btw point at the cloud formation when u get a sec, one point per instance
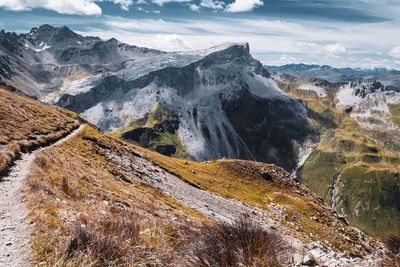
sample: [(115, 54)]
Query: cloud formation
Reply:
[(162, 2), (244, 5), (331, 50), (395, 52), (334, 32), (82, 7), (212, 4), (125, 4), (79, 7)]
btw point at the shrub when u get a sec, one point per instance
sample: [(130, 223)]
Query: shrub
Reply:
[(113, 240), (242, 243), (103, 248), (107, 241)]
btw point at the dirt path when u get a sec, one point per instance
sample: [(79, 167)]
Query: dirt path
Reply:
[(14, 224)]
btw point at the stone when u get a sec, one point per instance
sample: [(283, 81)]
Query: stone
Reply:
[(309, 260), (266, 175), (297, 259)]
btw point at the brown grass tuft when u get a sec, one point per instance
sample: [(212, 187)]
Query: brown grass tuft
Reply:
[(65, 186), (118, 239), (242, 243), (393, 245)]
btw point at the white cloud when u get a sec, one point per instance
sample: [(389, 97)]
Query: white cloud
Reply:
[(286, 59), (171, 42), (80, 7), (125, 4), (212, 4), (244, 5), (194, 7), (332, 50), (395, 52), (150, 26), (162, 2)]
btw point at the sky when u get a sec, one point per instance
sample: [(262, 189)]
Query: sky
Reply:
[(341, 33)]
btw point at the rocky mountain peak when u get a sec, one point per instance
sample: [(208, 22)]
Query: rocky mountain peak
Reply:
[(234, 53), (113, 41), (363, 88), (55, 36), (10, 41)]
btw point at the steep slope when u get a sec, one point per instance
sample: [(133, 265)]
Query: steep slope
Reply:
[(26, 125), (14, 224), (355, 167), (97, 201)]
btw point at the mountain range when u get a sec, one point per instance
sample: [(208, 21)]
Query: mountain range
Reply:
[(212, 94), (390, 78)]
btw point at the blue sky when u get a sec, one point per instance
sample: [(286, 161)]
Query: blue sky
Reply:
[(343, 33)]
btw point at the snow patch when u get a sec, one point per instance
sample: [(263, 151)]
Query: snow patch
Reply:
[(317, 89), (370, 110), (263, 87), (42, 47), (347, 97)]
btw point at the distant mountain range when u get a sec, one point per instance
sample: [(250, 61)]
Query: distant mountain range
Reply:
[(390, 78)]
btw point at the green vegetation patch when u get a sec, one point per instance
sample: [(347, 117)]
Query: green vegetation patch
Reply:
[(157, 131), (371, 199), (319, 171), (395, 113)]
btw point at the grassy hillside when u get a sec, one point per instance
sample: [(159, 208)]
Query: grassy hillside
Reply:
[(89, 209), (89, 189), (292, 205), (73, 191), (362, 165), (25, 124)]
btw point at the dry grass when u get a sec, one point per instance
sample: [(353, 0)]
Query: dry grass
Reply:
[(87, 213), (26, 124), (304, 214), (393, 245), (118, 239), (235, 245)]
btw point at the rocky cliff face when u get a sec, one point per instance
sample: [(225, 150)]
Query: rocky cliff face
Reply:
[(226, 103)]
